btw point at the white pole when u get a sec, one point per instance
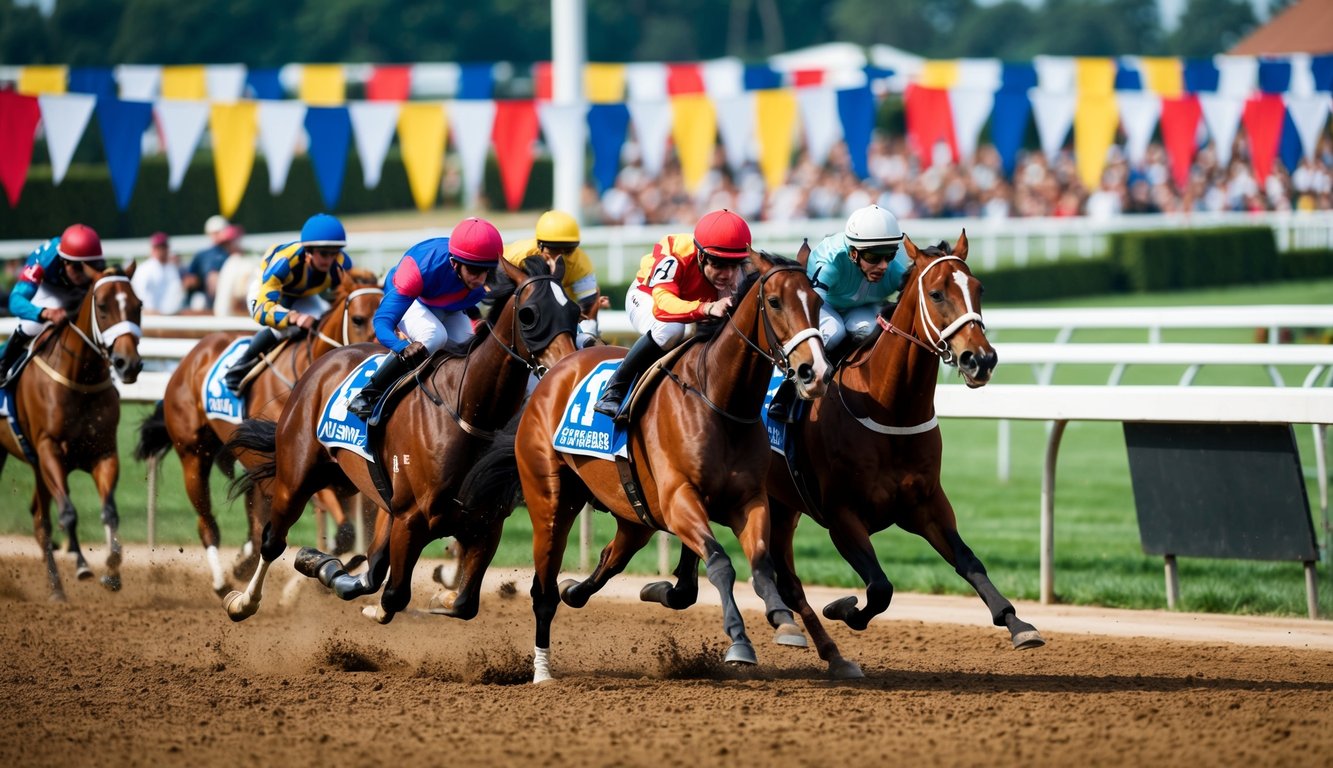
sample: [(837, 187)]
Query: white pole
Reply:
[(568, 54)]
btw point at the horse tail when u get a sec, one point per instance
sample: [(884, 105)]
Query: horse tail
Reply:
[(258, 436), (491, 487), (154, 440)]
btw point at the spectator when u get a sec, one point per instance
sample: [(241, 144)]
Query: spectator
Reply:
[(238, 275), (200, 279), (157, 281)]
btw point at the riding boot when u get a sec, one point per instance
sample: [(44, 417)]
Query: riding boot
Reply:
[(13, 352), (263, 341), (391, 370), (781, 407), (643, 354)]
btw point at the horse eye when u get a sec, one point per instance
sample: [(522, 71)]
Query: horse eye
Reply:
[(936, 296), (358, 321), (773, 302)]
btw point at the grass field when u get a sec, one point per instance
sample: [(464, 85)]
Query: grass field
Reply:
[(1098, 558)]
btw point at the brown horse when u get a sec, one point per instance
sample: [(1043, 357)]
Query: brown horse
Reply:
[(431, 439), (69, 409), (701, 452), (180, 419)]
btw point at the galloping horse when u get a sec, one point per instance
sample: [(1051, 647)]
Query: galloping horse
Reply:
[(68, 410), (700, 448), (180, 419), (430, 439), (869, 453)]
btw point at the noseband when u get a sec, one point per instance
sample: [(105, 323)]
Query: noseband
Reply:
[(100, 340), (936, 339), (780, 358)]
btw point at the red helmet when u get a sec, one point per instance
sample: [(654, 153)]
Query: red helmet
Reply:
[(723, 234), (80, 243), (476, 243)]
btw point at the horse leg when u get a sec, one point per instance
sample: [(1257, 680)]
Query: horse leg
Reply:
[(551, 522), (629, 538), (105, 474), (475, 551), (784, 520), (256, 515), (51, 467), (345, 536), (195, 467), (688, 519), (685, 592), (407, 538), (754, 529), (852, 540), (292, 488), (41, 528), (333, 574)]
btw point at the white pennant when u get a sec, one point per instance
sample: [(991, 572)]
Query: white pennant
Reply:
[(1222, 116), (280, 124), (1237, 76), (138, 82), (435, 81), (1139, 113), (646, 81), (470, 122), (64, 117), (735, 122), (819, 115), (723, 79), (226, 82), (980, 74), (373, 124), (1302, 75), (1309, 113), (1055, 74), (652, 128), (971, 107), (182, 124), (1054, 113)]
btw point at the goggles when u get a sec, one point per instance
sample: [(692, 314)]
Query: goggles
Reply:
[(560, 249), (877, 255)]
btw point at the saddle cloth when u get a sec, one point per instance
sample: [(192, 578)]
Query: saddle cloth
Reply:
[(219, 402), (583, 431), (340, 428), (9, 410)]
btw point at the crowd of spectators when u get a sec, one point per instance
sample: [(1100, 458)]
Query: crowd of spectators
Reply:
[(975, 188)]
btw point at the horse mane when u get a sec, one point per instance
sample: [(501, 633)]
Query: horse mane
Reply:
[(114, 270), (355, 280), (498, 295)]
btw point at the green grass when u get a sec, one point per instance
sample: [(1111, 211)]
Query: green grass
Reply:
[(1098, 558)]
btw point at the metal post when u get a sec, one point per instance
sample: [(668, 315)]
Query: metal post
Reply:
[(152, 501), (1172, 583), (568, 54), (1048, 513), (1311, 589), (585, 539), (355, 509), (663, 556), (1002, 452)]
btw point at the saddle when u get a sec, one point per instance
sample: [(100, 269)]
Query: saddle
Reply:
[(643, 386), (266, 360)]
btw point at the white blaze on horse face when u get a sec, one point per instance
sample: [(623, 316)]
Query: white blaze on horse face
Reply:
[(962, 279), (819, 361), (124, 300)]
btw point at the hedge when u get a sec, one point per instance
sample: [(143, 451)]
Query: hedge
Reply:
[(1171, 260)]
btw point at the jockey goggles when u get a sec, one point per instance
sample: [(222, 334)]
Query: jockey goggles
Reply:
[(878, 254), (707, 257)]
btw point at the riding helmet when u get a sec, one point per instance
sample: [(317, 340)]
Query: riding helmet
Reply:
[(872, 227), (476, 243), (323, 230), (80, 243), (723, 234), (557, 228)]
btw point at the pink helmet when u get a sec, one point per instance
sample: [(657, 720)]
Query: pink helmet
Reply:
[(80, 243), (476, 243), (723, 234)]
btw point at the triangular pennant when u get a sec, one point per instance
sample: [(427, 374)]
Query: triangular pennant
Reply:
[(694, 130), (514, 133), (43, 80), (1095, 121), (1222, 116), (1308, 114), (1180, 125), (138, 82), (607, 127), (233, 127), (123, 124), (476, 81), (646, 81), (94, 81), (373, 123), (1139, 113), (1054, 113), (775, 119), (1289, 146), (435, 80), (604, 83), (856, 110), (1055, 74), (1263, 118), (323, 85), (390, 83), (723, 78), (226, 82), (929, 122), (330, 131), (971, 108), (65, 119), (280, 124), (652, 128), (819, 115), (1237, 76), (19, 115), (182, 124), (735, 123), (565, 128), (1163, 76), (422, 131), (1008, 123), (471, 123), (184, 83)]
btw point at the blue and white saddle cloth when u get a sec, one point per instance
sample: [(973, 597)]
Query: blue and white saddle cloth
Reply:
[(584, 431), (340, 428), (777, 430), (219, 402), (9, 410)]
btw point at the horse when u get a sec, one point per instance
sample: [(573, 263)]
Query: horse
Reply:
[(179, 419), (68, 410), (431, 439), (700, 447)]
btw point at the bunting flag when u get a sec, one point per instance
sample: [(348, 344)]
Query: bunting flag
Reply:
[(646, 81), (775, 116), (138, 82), (64, 118), (1237, 76), (435, 80), (684, 80), (94, 81), (940, 75), (1289, 146), (1054, 113), (390, 83), (233, 127), (856, 109), (652, 128), (1222, 116), (819, 116), (1308, 115), (970, 108), (265, 84), (542, 86), (1180, 124), (322, 85), (422, 131), (514, 133), (604, 83), (476, 81), (19, 115), (471, 123), (43, 81), (1055, 74), (735, 123), (694, 130), (1164, 77), (280, 125), (226, 82), (1274, 75), (185, 83), (123, 124), (372, 126), (1094, 131), (1200, 76), (1009, 121), (330, 131), (929, 121), (1139, 113), (182, 124), (1263, 118), (723, 78), (565, 127), (607, 126)]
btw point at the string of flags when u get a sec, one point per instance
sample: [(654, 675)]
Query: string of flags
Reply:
[(755, 111)]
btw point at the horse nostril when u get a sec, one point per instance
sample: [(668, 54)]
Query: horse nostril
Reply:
[(967, 360), (120, 363), (805, 372)]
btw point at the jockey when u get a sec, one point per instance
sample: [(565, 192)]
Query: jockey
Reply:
[(853, 272), (556, 241), (287, 296), (425, 300), (52, 284), (684, 280)]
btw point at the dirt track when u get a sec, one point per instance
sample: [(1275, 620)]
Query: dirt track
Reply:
[(158, 675)]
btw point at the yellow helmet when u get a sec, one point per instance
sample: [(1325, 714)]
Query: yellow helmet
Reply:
[(557, 228)]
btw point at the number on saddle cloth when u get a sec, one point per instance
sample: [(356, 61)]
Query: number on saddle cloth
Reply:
[(582, 430)]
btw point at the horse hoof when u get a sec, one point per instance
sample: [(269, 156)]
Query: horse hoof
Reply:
[(377, 614), (112, 583), (83, 573), (1029, 639), (657, 592), (541, 676), (840, 609), (223, 589), (569, 596), (238, 607), (741, 653), (344, 539), (790, 634), (441, 602), (842, 669), (57, 596)]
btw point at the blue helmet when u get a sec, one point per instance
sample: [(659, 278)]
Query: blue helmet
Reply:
[(323, 229)]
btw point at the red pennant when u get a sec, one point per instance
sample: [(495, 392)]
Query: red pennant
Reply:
[(514, 133), (1180, 130), (807, 78), (18, 130), (929, 120), (1263, 119), (541, 81), (684, 79), (390, 83)]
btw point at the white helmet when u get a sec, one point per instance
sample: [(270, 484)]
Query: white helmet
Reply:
[(873, 227)]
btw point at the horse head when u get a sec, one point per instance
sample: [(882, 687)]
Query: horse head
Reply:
[(110, 320), (948, 308), (787, 309), (545, 319), (350, 319)]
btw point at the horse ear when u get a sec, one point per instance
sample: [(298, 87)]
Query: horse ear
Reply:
[(514, 273), (760, 260), (803, 253), (913, 252), (960, 247), (129, 271)]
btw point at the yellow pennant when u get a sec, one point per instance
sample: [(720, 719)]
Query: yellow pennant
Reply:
[(1162, 76), (422, 132), (184, 83), (1096, 76), (775, 123), (323, 85), (694, 129), (234, 127), (940, 74), (604, 83), (1095, 121), (43, 81)]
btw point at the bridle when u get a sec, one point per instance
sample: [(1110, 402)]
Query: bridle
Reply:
[(99, 340), (347, 316)]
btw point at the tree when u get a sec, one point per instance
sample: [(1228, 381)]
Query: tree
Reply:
[(23, 35), (1211, 26), (82, 31)]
